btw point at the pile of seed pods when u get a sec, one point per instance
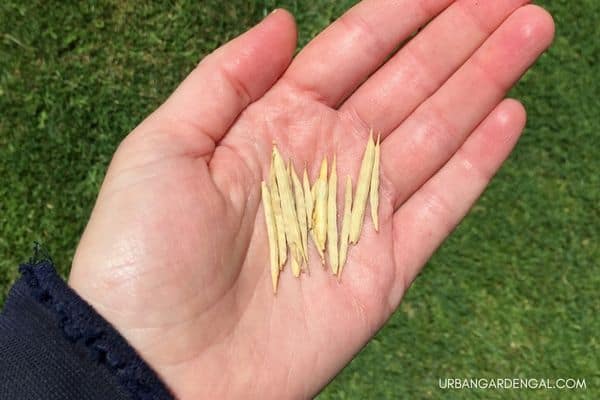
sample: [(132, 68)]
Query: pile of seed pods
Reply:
[(295, 209)]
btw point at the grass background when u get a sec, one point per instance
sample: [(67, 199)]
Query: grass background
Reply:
[(513, 292)]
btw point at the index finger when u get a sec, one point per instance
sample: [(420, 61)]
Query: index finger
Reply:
[(339, 59)]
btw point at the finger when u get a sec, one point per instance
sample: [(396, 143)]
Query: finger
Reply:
[(426, 219), (437, 128), (228, 80), (348, 51), (425, 63)]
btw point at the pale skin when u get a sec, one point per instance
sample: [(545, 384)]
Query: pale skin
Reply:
[(175, 254)]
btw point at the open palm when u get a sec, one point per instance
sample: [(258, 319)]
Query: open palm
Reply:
[(175, 255)]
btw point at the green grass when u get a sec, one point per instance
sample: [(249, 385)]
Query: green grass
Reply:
[(513, 292)]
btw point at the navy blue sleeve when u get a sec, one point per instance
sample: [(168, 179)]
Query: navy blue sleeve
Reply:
[(53, 345)]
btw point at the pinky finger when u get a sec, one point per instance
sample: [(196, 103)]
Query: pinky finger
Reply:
[(423, 222)]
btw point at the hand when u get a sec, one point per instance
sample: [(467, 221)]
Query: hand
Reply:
[(175, 254)]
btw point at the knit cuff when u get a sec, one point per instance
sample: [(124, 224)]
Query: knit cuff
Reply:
[(86, 329)]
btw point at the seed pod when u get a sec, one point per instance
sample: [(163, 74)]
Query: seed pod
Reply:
[(301, 213), (308, 198), (362, 191), (320, 212), (290, 219), (374, 190), (311, 216), (319, 250), (271, 234), (279, 223), (293, 197), (295, 267), (332, 235), (297, 249), (345, 235)]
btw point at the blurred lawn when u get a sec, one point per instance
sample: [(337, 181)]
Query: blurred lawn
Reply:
[(513, 292)]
